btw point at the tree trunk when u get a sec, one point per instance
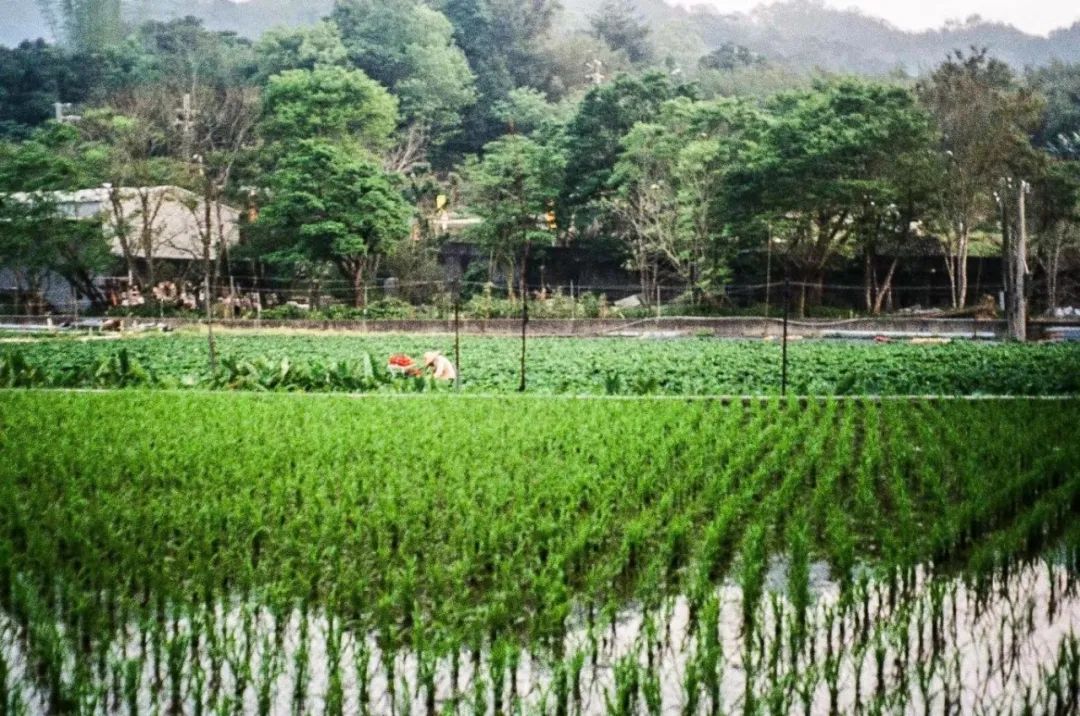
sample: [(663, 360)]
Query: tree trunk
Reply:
[(359, 297), (950, 270), (1053, 274), (886, 287), (147, 236), (120, 228), (961, 269), (869, 277)]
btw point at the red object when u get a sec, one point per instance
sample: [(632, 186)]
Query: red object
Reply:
[(400, 359)]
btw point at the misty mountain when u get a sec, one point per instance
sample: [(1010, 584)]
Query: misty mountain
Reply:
[(805, 34), (799, 34)]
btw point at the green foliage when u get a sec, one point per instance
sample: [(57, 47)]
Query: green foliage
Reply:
[(409, 47), (594, 135), (300, 48), (330, 103), (328, 205), (618, 24), (35, 238), (584, 366), (51, 158), (86, 25), (512, 188)]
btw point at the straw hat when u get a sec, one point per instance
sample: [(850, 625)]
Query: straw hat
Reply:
[(430, 357)]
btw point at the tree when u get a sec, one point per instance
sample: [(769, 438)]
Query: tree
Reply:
[(85, 25), (1057, 222), (983, 119), (331, 103), (618, 24), (593, 136), (327, 204), (666, 179), (822, 165), (729, 57), (35, 236), (300, 48), (36, 239), (526, 110), (138, 163), (511, 188), (53, 157), (1059, 84), (181, 55), (571, 64), (409, 48), (34, 76), (503, 41)]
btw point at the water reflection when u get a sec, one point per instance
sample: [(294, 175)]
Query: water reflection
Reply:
[(908, 642)]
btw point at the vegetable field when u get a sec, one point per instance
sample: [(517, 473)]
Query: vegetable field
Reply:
[(193, 552), (581, 366)]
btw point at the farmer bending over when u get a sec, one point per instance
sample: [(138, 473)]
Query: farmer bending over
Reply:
[(444, 369)]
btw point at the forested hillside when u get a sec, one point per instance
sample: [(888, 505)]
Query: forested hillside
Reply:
[(798, 34)]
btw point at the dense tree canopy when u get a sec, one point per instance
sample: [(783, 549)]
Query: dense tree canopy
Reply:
[(409, 47), (328, 205), (332, 103), (680, 160)]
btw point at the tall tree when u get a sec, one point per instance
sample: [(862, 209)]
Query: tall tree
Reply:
[(666, 179), (327, 204), (618, 24), (511, 189), (503, 41), (409, 47), (1059, 84), (332, 103), (139, 163), (299, 48), (85, 25), (824, 160), (37, 239), (984, 119), (594, 134)]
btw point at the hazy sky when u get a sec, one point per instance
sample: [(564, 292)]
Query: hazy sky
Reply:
[(1036, 16)]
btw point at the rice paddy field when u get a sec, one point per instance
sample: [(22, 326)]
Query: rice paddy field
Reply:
[(204, 552), (580, 366)]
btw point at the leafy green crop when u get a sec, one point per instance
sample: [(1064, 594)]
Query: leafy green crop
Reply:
[(591, 366)]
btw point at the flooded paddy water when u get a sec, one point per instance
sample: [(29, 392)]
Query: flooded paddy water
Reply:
[(1002, 643)]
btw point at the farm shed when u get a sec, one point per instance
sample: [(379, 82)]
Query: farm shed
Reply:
[(155, 233)]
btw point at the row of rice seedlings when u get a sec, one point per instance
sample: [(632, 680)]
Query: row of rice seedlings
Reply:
[(301, 504)]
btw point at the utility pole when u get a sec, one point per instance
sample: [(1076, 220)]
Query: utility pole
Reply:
[(1014, 255), (784, 339), (185, 117), (1018, 315), (457, 333)]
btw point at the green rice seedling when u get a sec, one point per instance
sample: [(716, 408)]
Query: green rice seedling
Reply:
[(752, 565), (132, 679), (334, 700), (624, 701), (362, 668), (301, 663), (798, 582)]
